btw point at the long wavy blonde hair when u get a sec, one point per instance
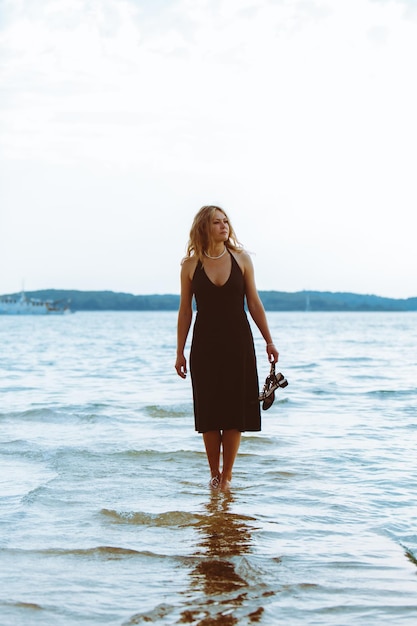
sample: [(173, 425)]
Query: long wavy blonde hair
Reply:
[(199, 240)]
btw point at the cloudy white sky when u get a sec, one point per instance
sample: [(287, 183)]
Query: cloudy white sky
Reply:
[(120, 118)]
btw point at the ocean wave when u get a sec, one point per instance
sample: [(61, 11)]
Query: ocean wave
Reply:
[(172, 412), (72, 413), (166, 519), (393, 392), (98, 414), (153, 616), (151, 454), (44, 414), (101, 552), (348, 362), (97, 551), (30, 606), (305, 366)]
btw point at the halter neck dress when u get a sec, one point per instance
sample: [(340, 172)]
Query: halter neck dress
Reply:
[(222, 357)]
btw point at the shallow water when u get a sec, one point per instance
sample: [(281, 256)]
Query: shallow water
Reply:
[(106, 516)]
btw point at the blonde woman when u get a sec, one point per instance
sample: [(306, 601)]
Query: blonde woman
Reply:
[(219, 274)]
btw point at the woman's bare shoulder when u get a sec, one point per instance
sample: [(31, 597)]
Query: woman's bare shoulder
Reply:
[(188, 265), (189, 261), (243, 258), (242, 254)]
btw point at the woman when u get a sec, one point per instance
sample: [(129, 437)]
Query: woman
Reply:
[(219, 274)]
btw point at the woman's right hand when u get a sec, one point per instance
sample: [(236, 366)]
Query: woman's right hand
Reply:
[(181, 366)]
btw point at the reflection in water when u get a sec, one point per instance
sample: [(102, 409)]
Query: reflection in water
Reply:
[(224, 533), (224, 536)]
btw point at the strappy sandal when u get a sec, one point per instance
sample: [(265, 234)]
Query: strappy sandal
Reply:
[(272, 382)]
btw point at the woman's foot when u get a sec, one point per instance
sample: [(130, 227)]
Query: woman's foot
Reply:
[(225, 483), (214, 482)]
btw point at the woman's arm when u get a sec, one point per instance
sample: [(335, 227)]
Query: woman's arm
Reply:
[(185, 315), (256, 308)]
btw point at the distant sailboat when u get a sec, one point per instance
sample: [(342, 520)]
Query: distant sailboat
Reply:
[(308, 305)]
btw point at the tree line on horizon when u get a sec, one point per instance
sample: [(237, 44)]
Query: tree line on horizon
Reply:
[(272, 301)]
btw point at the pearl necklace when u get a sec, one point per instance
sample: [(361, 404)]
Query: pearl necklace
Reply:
[(216, 257)]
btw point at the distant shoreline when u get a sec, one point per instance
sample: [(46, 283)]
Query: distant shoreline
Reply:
[(272, 301)]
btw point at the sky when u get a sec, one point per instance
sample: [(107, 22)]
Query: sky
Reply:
[(119, 119)]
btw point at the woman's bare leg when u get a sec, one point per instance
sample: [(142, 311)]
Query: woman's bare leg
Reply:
[(231, 443), (212, 441)]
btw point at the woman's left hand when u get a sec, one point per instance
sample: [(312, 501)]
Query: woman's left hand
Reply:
[(272, 353)]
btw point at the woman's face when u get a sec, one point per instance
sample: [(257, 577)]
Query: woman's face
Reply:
[(219, 227)]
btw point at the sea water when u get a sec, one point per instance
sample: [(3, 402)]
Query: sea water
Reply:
[(106, 513)]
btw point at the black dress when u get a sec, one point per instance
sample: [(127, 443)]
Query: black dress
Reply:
[(222, 358)]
